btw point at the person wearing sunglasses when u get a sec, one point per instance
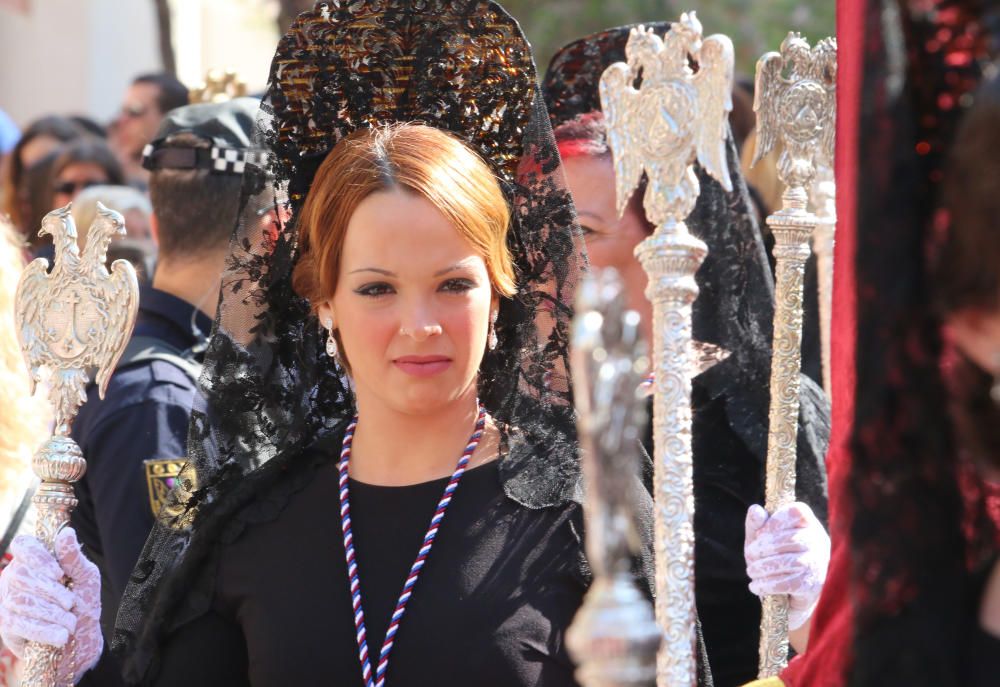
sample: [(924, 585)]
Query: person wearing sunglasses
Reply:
[(147, 100), (81, 164)]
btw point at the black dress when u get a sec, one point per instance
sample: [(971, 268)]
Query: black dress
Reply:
[(500, 587)]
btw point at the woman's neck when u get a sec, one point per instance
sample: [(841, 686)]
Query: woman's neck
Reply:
[(392, 448)]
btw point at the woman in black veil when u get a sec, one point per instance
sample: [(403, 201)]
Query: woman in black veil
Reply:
[(733, 313)]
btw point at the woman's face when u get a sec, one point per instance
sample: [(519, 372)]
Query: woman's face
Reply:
[(611, 241), (75, 177), (412, 304)]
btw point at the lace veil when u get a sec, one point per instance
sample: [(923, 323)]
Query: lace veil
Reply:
[(268, 391)]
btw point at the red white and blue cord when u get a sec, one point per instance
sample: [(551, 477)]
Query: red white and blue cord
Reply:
[(425, 549)]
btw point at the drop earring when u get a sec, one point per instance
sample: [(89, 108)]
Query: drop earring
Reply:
[(331, 340), (492, 340)]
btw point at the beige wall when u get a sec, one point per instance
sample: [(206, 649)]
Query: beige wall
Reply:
[(78, 56), (73, 56)]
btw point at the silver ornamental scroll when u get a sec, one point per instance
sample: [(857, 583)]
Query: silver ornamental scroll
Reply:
[(676, 116), (70, 322), (795, 102), (614, 638)]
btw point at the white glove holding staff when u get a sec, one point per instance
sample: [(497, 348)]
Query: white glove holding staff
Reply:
[(35, 605), (787, 553)]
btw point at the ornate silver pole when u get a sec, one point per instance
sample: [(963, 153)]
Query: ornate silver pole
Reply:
[(824, 202), (77, 319), (674, 118), (614, 638), (795, 102)]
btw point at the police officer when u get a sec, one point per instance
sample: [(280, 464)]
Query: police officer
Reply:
[(135, 439)]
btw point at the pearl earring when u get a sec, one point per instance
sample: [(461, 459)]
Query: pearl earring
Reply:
[(331, 340)]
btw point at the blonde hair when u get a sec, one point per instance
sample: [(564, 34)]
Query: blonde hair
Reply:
[(24, 420), (416, 158), (121, 198)]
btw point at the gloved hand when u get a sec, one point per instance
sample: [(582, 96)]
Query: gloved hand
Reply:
[(787, 553), (36, 606)]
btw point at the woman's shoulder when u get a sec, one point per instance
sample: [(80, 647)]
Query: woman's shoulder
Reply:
[(541, 470), (271, 488)]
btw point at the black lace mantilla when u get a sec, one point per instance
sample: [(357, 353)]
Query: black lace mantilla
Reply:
[(268, 391), (574, 74), (351, 65)]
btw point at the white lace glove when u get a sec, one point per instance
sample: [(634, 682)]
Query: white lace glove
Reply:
[(35, 606), (787, 553)]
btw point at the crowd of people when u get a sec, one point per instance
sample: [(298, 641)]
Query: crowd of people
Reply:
[(367, 273), (55, 158)]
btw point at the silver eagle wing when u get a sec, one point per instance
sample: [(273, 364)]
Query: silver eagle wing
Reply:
[(769, 86), (123, 305), (714, 85), (828, 49), (28, 299), (617, 98)]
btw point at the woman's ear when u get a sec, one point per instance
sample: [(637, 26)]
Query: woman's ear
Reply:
[(326, 317)]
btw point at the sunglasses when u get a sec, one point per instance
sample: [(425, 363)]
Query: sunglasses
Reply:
[(70, 188)]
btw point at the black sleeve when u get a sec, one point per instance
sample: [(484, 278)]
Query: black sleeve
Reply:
[(116, 448), (207, 652)]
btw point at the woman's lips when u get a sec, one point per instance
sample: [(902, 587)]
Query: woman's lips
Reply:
[(422, 365)]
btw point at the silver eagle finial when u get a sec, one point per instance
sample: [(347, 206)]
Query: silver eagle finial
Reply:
[(675, 117), (795, 102)]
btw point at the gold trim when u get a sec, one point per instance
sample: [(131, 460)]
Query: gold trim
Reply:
[(766, 682)]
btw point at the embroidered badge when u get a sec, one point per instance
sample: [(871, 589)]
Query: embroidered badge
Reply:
[(161, 477)]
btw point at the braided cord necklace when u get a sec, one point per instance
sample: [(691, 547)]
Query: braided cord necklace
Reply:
[(425, 549)]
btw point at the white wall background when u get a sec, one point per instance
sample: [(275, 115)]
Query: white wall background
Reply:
[(73, 56), (78, 56)]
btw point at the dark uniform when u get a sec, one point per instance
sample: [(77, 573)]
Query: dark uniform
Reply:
[(135, 438)]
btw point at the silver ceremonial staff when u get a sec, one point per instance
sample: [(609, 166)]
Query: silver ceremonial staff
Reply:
[(675, 117), (795, 102), (70, 322), (614, 637)]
